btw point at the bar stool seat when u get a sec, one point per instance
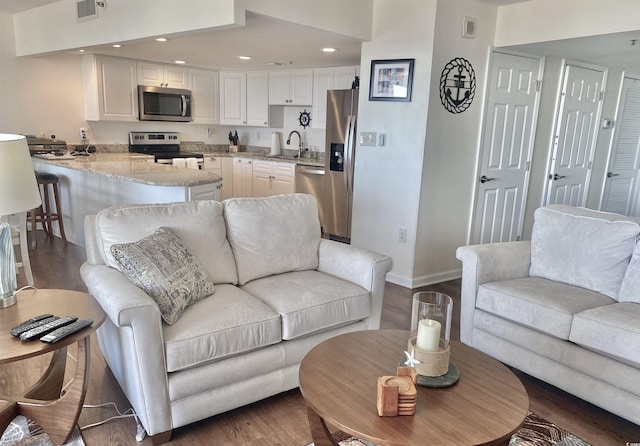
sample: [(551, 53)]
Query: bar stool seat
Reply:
[(45, 214)]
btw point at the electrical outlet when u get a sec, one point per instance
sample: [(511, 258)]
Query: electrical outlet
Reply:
[(402, 235), (84, 135)]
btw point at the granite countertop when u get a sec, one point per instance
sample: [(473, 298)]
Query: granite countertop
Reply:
[(263, 156), (136, 168)]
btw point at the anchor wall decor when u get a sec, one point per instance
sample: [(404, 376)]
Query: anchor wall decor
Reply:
[(457, 85)]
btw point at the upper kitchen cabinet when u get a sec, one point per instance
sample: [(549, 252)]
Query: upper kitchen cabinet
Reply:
[(205, 105), (233, 98), (244, 98), (160, 75), (258, 98), (109, 88), (324, 79), (291, 87)]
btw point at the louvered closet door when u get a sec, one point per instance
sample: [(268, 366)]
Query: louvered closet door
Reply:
[(621, 186)]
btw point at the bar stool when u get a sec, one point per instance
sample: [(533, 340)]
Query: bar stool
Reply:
[(44, 214)]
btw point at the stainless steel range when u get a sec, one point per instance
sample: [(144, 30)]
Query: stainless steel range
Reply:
[(164, 146)]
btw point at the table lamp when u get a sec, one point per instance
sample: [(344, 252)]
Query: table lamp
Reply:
[(18, 193)]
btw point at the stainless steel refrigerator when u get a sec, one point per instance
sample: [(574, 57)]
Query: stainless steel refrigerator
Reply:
[(342, 112)]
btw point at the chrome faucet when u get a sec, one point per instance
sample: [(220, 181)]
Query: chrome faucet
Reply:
[(299, 141)]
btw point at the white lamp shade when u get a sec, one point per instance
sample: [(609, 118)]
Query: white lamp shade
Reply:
[(18, 188)]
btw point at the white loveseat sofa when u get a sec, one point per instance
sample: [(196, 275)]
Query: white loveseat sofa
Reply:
[(279, 290), (563, 307)]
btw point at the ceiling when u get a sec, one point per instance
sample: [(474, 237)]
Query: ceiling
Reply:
[(268, 42)]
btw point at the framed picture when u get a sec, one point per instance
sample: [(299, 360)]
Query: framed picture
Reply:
[(391, 80)]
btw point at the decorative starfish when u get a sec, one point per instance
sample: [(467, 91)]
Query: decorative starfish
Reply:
[(411, 359)]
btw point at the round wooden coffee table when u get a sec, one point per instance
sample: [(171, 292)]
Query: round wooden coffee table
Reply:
[(56, 414), (338, 380)]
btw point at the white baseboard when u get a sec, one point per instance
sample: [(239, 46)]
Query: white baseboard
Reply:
[(421, 281)]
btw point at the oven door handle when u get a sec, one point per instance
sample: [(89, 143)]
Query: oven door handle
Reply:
[(184, 105)]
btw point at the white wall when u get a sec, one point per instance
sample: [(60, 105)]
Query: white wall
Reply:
[(38, 94), (449, 168), (387, 179)]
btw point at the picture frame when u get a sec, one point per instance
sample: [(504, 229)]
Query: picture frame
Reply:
[(391, 80)]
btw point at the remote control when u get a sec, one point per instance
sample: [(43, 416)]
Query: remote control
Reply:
[(65, 331), (46, 328), (31, 323)]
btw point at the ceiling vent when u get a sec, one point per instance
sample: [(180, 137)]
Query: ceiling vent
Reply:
[(86, 10)]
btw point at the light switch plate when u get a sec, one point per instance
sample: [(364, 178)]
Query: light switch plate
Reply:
[(368, 138)]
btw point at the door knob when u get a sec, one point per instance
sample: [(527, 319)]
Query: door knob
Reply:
[(484, 179), (556, 176), (611, 174)]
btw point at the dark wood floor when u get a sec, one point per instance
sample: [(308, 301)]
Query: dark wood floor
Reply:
[(280, 420)]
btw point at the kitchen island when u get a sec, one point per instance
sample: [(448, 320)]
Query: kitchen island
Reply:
[(91, 183)]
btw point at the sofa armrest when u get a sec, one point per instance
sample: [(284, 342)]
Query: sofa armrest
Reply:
[(132, 343), (488, 263), (364, 268)]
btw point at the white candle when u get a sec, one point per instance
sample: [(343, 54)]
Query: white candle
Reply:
[(428, 335)]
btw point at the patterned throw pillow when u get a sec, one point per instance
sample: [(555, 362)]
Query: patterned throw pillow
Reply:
[(164, 268)]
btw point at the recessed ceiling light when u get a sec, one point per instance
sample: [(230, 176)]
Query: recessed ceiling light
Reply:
[(161, 39), (81, 51), (117, 45), (180, 62), (244, 57), (329, 50)]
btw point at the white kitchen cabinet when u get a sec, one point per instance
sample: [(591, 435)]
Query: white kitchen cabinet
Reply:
[(205, 99), (258, 98), (244, 98), (343, 77), (324, 79), (160, 75), (273, 178), (204, 192), (242, 177), (227, 177), (214, 163), (291, 87), (233, 98), (109, 88)]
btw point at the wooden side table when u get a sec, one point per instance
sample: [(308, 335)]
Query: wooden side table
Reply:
[(338, 380), (56, 414)]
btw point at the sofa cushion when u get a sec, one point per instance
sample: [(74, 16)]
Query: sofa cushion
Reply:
[(310, 301), (272, 235), (227, 323), (199, 224), (612, 330), (581, 247), (630, 287), (541, 304), (164, 268)]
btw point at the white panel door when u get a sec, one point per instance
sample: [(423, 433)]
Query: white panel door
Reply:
[(621, 187), (506, 150), (575, 139)]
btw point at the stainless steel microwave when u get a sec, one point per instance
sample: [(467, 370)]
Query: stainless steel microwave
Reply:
[(164, 104)]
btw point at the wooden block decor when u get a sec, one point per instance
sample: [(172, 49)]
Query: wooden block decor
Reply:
[(397, 395), (405, 370)]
